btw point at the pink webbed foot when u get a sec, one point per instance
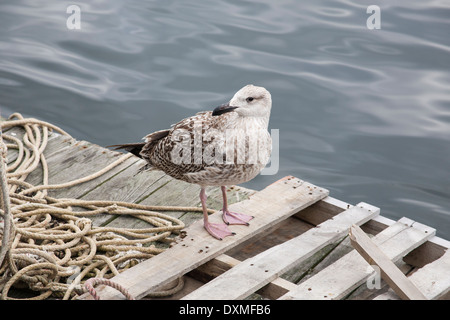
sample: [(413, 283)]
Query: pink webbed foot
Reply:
[(236, 218), (218, 230)]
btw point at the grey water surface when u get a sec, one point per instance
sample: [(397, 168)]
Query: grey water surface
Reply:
[(364, 113)]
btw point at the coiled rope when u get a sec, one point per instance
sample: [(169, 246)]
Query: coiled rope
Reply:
[(49, 245)]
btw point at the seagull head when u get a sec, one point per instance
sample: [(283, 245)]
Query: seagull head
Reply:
[(250, 101)]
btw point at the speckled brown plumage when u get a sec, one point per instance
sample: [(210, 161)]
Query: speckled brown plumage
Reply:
[(228, 146), (212, 130)]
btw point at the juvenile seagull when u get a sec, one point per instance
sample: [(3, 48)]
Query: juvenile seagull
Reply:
[(227, 146)]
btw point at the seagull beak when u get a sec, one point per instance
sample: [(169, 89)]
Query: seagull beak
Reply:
[(223, 109)]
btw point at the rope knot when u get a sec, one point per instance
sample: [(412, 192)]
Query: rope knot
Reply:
[(112, 208)]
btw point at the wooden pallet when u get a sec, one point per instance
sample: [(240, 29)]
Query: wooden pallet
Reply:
[(200, 254), (295, 248)]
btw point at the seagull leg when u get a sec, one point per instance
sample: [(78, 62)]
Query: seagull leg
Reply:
[(233, 217), (217, 230)]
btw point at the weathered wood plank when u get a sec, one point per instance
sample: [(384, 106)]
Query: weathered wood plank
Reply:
[(375, 284), (276, 288), (389, 272), (335, 251), (129, 185), (290, 228), (279, 233), (156, 188), (224, 262), (77, 161), (269, 206), (313, 215), (341, 277), (372, 227), (254, 273), (433, 280)]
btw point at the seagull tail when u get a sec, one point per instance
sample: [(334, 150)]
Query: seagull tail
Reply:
[(134, 148)]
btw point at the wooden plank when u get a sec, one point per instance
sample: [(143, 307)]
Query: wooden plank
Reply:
[(276, 288), (129, 185), (284, 231), (254, 273), (389, 272), (277, 234), (344, 275), (335, 252), (269, 206), (433, 280), (372, 227), (77, 161), (224, 262), (375, 285)]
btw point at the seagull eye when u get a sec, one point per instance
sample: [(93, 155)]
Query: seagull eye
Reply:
[(249, 99)]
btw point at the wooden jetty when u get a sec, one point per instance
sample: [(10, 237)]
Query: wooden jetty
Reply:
[(297, 247)]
